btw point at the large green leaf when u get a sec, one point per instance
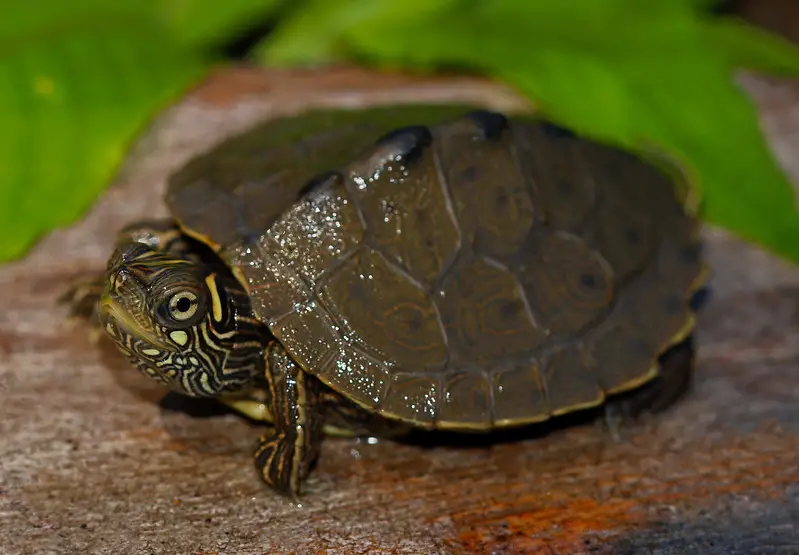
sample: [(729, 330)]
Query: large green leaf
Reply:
[(195, 23), (73, 93), (635, 73), (201, 23), (78, 80)]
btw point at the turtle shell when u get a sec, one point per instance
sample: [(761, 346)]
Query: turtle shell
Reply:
[(451, 267)]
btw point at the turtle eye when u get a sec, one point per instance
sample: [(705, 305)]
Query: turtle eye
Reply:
[(183, 305)]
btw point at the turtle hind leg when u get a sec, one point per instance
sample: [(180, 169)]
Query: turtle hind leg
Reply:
[(343, 418), (284, 459), (674, 380)]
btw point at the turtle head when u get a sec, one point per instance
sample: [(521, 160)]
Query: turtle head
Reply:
[(179, 322)]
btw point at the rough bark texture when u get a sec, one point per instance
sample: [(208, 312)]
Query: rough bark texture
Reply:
[(91, 463)]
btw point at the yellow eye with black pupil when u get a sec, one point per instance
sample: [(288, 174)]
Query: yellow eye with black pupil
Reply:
[(183, 306)]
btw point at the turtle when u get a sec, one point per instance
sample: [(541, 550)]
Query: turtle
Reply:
[(409, 267)]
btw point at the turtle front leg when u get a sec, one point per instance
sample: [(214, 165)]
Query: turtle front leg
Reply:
[(284, 459), (81, 298), (82, 293)]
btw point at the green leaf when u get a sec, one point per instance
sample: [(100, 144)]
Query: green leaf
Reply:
[(78, 80), (658, 72), (190, 23), (200, 23), (30, 21), (753, 48), (313, 30), (73, 93)]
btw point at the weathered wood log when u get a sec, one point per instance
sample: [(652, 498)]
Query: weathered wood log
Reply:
[(91, 462)]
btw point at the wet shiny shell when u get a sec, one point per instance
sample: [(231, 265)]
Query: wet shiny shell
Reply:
[(456, 271)]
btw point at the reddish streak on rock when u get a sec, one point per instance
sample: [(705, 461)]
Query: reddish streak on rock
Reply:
[(560, 528), (562, 521)]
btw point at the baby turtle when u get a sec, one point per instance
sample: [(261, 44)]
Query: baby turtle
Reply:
[(435, 267)]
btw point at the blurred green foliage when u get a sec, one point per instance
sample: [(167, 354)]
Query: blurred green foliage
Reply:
[(79, 79)]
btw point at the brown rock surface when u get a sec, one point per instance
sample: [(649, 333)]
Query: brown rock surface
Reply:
[(90, 463)]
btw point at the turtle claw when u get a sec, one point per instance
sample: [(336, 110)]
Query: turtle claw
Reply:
[(620, 415), (614, 420)]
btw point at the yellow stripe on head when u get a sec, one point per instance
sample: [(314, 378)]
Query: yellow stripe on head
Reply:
[(216, 303)]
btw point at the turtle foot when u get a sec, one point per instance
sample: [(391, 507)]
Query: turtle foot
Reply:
[(273, 460), (80, 298)]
